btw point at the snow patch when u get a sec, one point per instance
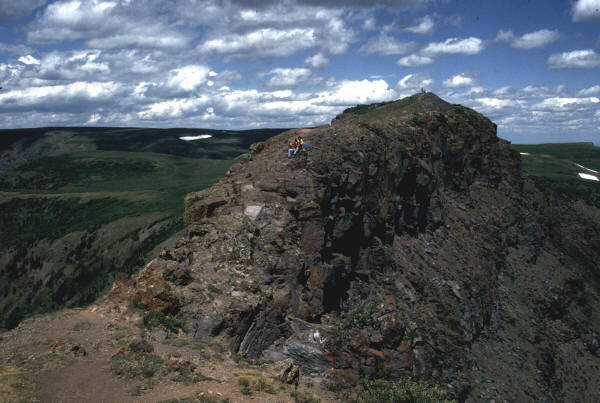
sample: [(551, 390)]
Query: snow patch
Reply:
[(524, 153), (587, 169), (190, 138), (587, 176)]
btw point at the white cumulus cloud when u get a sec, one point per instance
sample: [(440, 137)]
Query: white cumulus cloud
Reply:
[(68, 20), (28, 60), (467, 46), (537, 91), (282, 29), (565, 103), (173, 108), (350, 92), (495, 103), (141, 37), (505, 36), (188, 78), (414, 61), (536, 39), (369, 24), (77, 65), (107, 25), (58, 96), (287, 78), (412, 83), (94, 118), (317, 61), (502, 91), (586, 58), (386, 45), (425, 26), (595, 90), (586, 10), (460, 80), (529, 40), (265, 42)]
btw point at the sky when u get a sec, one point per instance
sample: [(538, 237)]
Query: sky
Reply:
[(532, 67)]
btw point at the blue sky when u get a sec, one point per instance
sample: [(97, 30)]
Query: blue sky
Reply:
[(533, 67)]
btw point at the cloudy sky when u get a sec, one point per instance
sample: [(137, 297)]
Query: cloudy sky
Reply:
[(532, 66)]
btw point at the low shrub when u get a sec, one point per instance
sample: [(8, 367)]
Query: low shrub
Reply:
[(244, 382), (172, 323), (200, 397), (187, 374), (135, 364), (304, 397), (403, 390), (141, 389)]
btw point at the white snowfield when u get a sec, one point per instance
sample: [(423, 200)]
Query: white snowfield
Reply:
[(588, 176), (587, 169), (190, 138), (524, 153)]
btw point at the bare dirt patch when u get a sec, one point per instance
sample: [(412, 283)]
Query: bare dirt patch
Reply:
[(67, 357)]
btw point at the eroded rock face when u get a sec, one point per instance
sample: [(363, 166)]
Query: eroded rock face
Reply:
[(401, 243)]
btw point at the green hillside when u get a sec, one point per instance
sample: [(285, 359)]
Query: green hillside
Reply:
[(79, 205), (223, 144), (53, 196), (556, 166)]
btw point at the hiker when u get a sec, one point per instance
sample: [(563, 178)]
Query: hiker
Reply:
[(294, 147), (301, 143)]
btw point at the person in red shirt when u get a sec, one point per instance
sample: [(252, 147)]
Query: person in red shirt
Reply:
[(294, 147)]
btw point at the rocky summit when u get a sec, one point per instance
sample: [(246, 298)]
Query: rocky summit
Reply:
[(404, 241)]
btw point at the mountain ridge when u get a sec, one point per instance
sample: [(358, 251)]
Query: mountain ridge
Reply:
[(417, 189), (404, 241)]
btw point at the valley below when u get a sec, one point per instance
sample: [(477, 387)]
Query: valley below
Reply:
[(79, 205)]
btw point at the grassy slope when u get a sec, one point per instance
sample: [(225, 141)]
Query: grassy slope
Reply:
[(80, 191), (88, 193), (553, 166), (585, 154), (124, 181), (103, 205), (222, 145)]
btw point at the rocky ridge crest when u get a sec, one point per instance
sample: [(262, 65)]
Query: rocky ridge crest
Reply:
[(405, 241)]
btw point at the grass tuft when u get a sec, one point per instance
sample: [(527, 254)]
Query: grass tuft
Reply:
[(136, 364), (304, 397), (16, 385), (403, 390), (172, 323)]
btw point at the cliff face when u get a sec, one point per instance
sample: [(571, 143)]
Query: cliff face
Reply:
[(403, 242)]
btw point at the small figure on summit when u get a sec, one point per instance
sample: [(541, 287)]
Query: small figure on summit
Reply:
[(294, 147), (302, 144)]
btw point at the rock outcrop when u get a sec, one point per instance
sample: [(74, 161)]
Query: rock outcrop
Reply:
[(404, 241)]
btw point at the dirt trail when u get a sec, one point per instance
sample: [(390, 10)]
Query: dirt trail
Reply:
[(67, 356)]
